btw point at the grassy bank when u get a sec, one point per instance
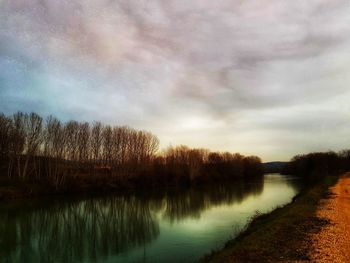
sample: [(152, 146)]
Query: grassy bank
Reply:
[(281, 235)]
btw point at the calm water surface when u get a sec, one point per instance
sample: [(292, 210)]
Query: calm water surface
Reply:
[(162, 227)]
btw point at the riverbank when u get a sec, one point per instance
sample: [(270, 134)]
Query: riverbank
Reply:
[(14, 189), (282, 235), (332, 243)]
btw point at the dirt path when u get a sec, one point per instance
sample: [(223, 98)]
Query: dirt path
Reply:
[(332, 243)]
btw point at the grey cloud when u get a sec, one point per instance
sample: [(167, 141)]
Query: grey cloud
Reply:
[(152, 64)]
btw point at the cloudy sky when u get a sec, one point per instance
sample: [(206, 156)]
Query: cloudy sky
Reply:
[(264, 77)]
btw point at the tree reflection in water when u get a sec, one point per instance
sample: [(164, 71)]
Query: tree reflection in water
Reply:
[(191, 203), (76, 231), (94, 229)]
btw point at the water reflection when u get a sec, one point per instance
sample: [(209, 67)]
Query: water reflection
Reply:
[(76, 231), (293, 182), (99, 229), (190, 203)]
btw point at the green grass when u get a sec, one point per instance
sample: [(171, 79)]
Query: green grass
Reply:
[(281, 235)]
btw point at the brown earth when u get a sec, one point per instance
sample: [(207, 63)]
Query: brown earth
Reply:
[(332, 242)]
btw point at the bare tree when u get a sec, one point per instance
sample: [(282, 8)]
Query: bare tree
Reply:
[(83, 142), (71, 131), (96, 141), (33, 133), (54, 145), (5, 129), (107, 144)]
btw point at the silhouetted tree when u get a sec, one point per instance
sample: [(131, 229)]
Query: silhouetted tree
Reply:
[(313, 166), (77, 152)]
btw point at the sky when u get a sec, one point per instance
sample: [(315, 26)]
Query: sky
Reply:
[(268, 78)]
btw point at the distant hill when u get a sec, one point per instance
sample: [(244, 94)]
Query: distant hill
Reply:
[(274, 167)]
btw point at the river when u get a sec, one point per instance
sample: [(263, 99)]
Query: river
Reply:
[(172, 226)]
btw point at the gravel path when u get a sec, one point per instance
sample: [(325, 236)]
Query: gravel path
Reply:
[(332, 243)]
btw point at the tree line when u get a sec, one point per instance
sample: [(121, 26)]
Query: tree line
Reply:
[(313, 166), (33, 148), (188, 164)]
